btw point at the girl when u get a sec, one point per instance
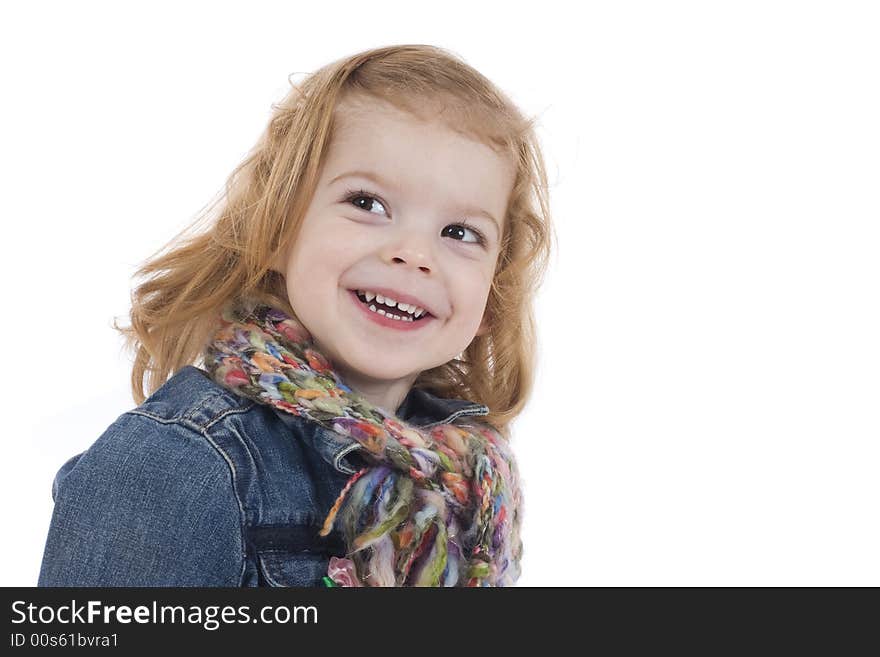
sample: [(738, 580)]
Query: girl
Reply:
[(348, 342)]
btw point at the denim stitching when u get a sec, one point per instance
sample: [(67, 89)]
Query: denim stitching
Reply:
[(470, 410), (185, 421), (218, 392), (230, 411)]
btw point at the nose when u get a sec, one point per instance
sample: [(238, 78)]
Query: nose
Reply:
[(409, 249)]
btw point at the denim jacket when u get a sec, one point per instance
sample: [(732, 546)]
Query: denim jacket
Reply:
[(199, 486)]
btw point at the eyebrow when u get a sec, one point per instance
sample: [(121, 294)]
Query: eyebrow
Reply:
[(369, 175)]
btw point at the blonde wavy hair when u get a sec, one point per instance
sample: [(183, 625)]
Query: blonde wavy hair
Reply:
[(189, 280)]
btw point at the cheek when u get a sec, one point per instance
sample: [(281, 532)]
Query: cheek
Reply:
[(320, 252), (471, 304)]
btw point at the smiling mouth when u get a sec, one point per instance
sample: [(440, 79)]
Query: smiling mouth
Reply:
[(390, 311)]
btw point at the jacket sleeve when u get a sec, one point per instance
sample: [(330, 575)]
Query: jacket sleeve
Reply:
[(151, 503)]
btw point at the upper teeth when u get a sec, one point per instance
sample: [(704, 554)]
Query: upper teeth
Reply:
[(416, 311)]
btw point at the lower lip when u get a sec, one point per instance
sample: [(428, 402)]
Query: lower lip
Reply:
[(381, 320)]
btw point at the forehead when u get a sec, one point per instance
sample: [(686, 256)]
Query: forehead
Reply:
[(415, 152)]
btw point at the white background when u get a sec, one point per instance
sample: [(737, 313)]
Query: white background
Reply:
[(706, 411)]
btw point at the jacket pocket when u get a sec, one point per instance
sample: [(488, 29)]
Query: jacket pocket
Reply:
[(293, 569), (293, 555)]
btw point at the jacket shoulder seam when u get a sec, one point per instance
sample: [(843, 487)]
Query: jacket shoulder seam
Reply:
[(234, 405), (185, 420)]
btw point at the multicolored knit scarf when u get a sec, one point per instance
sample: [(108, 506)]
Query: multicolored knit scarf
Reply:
[(436, 507)]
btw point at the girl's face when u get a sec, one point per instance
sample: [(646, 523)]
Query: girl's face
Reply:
[(388, 213)]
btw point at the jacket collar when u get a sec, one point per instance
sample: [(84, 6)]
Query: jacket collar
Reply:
[(419, 408), (424, 409)]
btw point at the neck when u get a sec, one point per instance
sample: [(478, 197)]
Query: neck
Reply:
[(385, 394)]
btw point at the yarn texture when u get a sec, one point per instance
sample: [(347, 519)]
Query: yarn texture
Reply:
[(440, 506)]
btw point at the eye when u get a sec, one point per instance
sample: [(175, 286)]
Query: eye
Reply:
[(461, 228), (362, 195)]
